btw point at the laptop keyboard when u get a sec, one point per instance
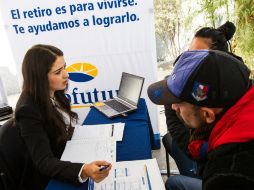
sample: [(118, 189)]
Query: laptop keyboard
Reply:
[(118, 106)]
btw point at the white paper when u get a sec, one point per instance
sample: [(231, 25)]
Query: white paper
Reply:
[(105, 131), (86, 151), (132, 175)]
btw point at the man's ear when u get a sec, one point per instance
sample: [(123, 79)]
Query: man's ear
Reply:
[(208, 114)]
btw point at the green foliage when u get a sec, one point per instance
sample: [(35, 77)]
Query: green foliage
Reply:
[(168, 20), (244, 40), (189, 18), (167, 24), (211, 7), (243, 43)]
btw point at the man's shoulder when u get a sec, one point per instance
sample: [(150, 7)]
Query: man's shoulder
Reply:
[(233, 157), (232, 148), (231, 164)]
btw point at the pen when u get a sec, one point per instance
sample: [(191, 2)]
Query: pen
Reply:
[(90, 184), (112, 131), (103, 168), (148, 179)]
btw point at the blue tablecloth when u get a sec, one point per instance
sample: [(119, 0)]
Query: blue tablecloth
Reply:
[(138, 139)]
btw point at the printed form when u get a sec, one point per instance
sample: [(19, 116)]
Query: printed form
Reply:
[(131, 175)]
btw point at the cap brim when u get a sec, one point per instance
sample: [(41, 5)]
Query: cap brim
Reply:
[(160, 94)]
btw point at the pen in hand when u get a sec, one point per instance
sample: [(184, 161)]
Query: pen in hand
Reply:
[(104, 168)]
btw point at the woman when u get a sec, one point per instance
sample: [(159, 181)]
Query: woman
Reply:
[(45, 120)]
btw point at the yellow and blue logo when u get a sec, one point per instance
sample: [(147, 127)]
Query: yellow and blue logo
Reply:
[(82, 72)]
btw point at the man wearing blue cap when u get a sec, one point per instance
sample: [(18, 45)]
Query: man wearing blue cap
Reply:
[(211, 92)]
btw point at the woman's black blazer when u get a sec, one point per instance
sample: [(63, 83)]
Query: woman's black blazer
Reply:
[(40, 152)]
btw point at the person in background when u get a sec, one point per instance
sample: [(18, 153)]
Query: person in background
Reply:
[(205, 38), (45, 122), (210, 92)]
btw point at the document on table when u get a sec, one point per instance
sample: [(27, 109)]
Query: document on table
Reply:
[(114, 131), (86, 151), (131, 175)]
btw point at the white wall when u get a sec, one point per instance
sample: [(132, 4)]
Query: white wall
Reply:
[(6, 54)]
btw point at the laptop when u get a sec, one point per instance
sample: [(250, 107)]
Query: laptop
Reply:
[(127, 98)]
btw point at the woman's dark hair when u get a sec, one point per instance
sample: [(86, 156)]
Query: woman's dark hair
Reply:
[(35, 68), (219, 36)]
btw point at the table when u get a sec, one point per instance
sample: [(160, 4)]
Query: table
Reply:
[(138, 139)]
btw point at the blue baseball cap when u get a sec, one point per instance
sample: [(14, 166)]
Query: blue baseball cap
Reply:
[(207, 78)]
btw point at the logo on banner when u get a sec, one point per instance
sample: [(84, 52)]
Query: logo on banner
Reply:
[(82, 72)]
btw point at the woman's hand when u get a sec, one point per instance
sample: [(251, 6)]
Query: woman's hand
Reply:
[(93, 170)]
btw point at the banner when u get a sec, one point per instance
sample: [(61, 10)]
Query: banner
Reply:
[(100, 39)]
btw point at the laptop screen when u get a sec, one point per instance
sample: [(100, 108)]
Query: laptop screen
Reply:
[(130, 88)]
